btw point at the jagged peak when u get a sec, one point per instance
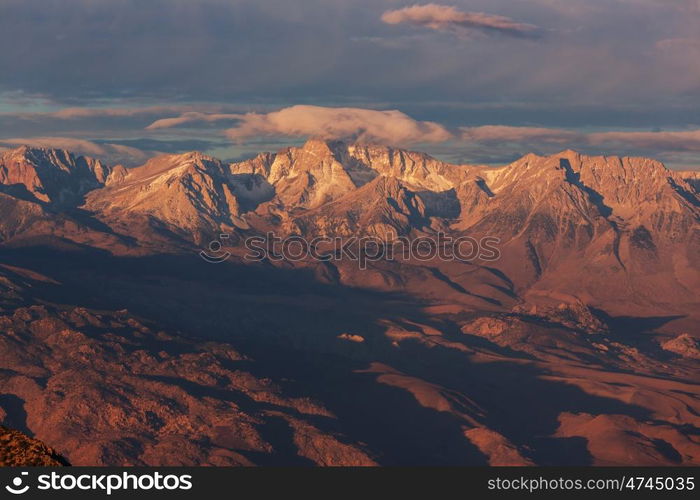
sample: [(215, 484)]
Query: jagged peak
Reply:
[(50, 175), (634, 161), (166, 163), (569, 154), (198, 155), (34, 153), (322, 149), (318, 143), (187, 157), (55, 158), (578, 161), (339, 148)]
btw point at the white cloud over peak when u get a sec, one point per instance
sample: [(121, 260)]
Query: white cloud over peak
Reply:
[(392, 127)]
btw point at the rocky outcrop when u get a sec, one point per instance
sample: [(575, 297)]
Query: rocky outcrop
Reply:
[(573, 315), (187, 194), (50, 176), (683, 345), (19, 450), (106, 389)]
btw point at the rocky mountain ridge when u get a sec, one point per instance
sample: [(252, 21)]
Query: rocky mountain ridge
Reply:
[(50, 176), (601, 229), (120, 345)]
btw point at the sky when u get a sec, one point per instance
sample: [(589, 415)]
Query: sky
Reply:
[(469, 81)]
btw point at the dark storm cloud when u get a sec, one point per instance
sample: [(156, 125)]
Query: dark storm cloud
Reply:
[(74, 50), (600, 64), (336, 52)]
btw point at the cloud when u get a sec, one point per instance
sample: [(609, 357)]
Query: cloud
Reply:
[(680, 140), (397, 128), (367, 125), (692, 6), (100, 124), (107, 152), (97, 121), (78, 113), (495, 144), (600, 67), (498, 144), (451, 19), (503, 133), (192, 117), (675, 140)]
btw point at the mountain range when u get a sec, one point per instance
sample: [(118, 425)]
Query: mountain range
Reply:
[(577, 345)]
